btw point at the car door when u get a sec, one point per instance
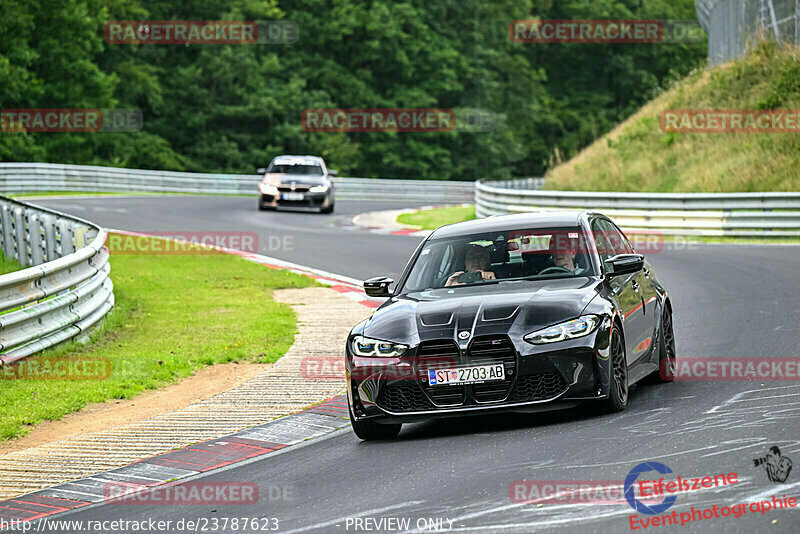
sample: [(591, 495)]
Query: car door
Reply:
[(626, 288), (649, 295)]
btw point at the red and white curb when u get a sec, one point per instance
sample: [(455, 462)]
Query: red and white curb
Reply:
[(168, 468), (192, 460), (385, 222)]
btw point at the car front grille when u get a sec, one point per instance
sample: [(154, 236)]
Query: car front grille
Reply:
[(415, 395), (404, 396), (489, 350), (540, 386), (439, 354), (299, 188)]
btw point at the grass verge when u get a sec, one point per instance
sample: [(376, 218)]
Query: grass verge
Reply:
[(173, 315), (431, 219), (8, 266), (639, 156)]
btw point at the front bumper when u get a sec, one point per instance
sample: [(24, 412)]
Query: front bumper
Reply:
[(318, 201), (538, 378)]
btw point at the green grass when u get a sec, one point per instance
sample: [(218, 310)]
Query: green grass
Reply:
[(8, 266), (173, 315), (432, 219), (639, 156)]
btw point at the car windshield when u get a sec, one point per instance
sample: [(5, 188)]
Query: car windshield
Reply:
[(288, 168), (495, 257)]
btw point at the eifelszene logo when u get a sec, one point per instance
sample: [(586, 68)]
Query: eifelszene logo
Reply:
[(637, 504)]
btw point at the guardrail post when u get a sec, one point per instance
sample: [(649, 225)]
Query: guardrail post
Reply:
[(79, 232), (50, 240), (65, 233), (22, 241), (35, 231), (8, 236)]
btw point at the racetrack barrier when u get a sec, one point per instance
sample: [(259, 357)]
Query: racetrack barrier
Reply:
[(766, 215), (33, 177), (65, 289)]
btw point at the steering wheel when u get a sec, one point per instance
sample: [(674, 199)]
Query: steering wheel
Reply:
[(555, 268)]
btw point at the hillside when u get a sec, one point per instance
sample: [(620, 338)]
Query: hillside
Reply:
[(639, 156)]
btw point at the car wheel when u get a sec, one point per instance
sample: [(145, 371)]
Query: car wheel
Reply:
[(667, 359), (329, 209), (370, 430), (261, 205), (618, 388)]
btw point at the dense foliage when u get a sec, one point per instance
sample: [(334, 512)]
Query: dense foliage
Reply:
[(231, 108)]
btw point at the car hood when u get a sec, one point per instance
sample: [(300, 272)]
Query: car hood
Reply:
[(283, 178), (513, 308)]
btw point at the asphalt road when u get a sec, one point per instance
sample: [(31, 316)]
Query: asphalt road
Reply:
[(729, 301)]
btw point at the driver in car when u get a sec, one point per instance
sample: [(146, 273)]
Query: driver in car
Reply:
[(478, 263), (563, 250)]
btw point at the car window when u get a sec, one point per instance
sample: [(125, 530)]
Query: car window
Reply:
[(284, 168), (617, 240), (604, 248), (497, 256), (610, 240)]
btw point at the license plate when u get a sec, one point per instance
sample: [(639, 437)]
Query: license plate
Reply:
[(293, 196), (466, 375)]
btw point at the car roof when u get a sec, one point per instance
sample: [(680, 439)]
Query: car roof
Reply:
[(519, 221), (289, 158)]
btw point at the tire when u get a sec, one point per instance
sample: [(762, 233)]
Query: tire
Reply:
[(618, 388), (261, 205), (667, 359), (370, 430), (329, 209)]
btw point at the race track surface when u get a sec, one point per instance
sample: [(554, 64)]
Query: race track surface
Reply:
[(729, 300)]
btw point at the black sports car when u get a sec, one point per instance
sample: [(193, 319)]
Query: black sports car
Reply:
[(523, 312)]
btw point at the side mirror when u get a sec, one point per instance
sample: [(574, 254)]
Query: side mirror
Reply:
[(624, 264), (261, 170), (378, 286), (333, 172)]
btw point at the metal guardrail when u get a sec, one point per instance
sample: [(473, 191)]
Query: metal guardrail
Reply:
[(32, 177), (701, 214), (66, 288)]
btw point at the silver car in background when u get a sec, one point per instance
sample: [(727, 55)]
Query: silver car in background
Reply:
[(300, 182)]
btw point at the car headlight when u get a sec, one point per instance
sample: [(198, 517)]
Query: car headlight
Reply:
[(363, 346), (319, 188), (268, 189), (579, 327)]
